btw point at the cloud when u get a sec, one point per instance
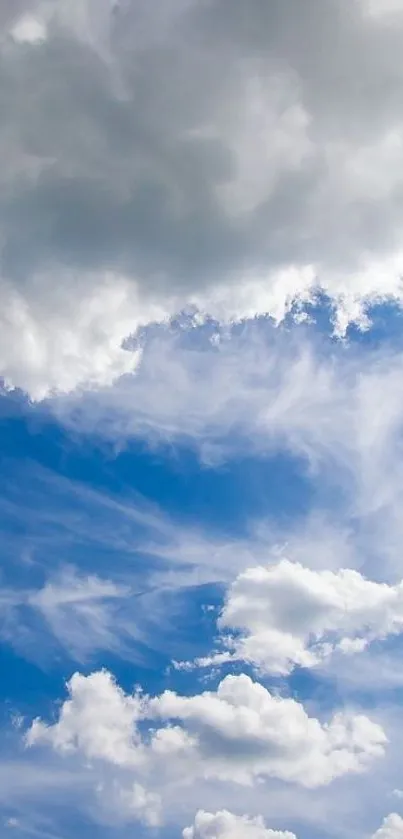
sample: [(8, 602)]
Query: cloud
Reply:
[(89, 560), (239, 733), (284, 615), (98, 719), (246, 732), (262, 389), (392, 828), (225, 825), (71, 337), (193, 157), (81, 612), (336, 410), (136, 803), (29, 29)]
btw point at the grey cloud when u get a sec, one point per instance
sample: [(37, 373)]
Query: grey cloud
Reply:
[(191, 146), (127, 178)]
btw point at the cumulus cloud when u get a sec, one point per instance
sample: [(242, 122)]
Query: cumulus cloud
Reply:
[(244, 732), (284, 615), (225, 825), (191, 157), (69, 335), (99, 720), (239, 733), (392, 828)]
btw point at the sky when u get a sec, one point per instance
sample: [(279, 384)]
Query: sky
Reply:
[(201, 419)]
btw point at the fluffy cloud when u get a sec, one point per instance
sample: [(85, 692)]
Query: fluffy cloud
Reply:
[(244, 732), (98, 720), (392, 828), (198, 157), (286, 615), (225, 825), (69, 335), (239, 733)]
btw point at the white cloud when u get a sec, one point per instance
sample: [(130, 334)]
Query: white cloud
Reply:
[(122, 606), (240, 733), (189, 160), (98, 720), (383, 8), (337, 410), (270, 389), (69, 336), (392, 828), (225, 825), (243, 732), (29, 30), (286, 615)]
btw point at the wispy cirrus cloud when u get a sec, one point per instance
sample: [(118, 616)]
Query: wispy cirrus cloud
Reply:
[(335, 409)]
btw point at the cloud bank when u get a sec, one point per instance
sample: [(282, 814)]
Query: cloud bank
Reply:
[(240, 733), (192, 156)]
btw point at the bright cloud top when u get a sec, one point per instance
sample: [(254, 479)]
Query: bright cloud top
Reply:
[(239, 733), (225, 825), (285, 615), (392, 828)]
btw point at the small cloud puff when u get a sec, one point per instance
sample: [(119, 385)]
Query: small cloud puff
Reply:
[(392, 828), (225, 825)]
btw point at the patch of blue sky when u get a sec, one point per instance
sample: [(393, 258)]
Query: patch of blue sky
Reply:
[(41, 513)]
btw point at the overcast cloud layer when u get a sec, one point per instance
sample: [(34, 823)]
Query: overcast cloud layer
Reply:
[(194, 153)]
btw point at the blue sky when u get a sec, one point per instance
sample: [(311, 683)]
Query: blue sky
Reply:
[(201, 415), (120, 559)]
